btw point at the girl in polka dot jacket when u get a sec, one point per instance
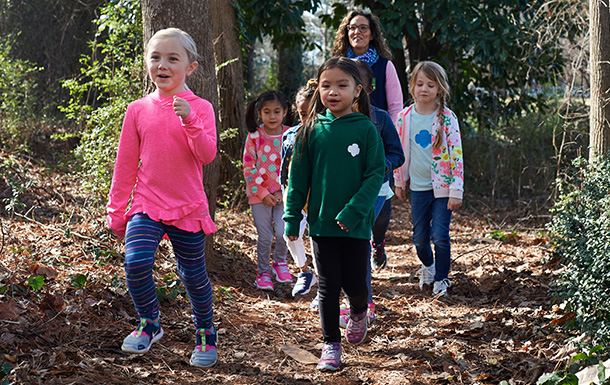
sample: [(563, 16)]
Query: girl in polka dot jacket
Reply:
[(265, 118)]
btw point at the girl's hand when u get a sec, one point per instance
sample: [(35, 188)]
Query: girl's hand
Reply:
[(400, 193), (182, 108), (278, 195), (270, 200), (454, 204), (292, 238), (342, 226)]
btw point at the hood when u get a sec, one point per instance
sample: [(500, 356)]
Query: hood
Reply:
[(327, 117)]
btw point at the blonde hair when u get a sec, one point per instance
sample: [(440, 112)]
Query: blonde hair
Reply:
[(184, 38), (437, 74)]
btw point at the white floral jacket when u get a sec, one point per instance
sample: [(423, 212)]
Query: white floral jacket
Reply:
[(447, 169)]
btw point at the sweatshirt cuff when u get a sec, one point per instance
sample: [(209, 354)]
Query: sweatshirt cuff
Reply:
[(348, 218), (456, 194)]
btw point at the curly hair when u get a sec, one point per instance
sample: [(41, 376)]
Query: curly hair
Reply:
[(377, 40)]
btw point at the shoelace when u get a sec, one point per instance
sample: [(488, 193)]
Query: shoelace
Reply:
[(329, 352)]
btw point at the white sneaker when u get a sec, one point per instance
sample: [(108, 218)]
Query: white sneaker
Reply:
[(426, 275), (440, 287)]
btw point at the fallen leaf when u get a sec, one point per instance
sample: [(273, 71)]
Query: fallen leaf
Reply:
[(301, 355), (9, 311)]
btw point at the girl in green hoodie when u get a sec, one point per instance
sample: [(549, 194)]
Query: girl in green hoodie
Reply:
[(337, 169)]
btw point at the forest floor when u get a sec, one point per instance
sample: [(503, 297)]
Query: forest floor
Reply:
[(64, 307)]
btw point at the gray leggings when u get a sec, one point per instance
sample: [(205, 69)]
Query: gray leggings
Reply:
[(266, 220)]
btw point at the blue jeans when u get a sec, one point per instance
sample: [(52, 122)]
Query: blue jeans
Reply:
[(431, 220)]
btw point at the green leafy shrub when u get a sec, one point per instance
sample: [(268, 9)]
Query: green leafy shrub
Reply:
[(111, 78), (18, 103), (580, 231)]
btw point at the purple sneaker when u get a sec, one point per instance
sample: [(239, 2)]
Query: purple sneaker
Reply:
[(356, 328), (331, 357)]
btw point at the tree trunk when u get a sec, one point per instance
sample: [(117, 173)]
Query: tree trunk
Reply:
[(599, 120), (290, 70), (192, 16), (231, 112)]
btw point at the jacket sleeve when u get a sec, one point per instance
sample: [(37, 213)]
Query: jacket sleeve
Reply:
[(401, 174), (362, 202), (255, 184), (125, 174), (394, 155), (454, 146), (393, 91), (200, 128), (299, 182)]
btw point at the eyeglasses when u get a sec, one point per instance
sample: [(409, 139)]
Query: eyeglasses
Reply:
[(363, 28)]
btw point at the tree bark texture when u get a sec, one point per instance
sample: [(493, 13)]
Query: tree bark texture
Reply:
[(599, 120), (193, 17), (290, 70), (231, 92)]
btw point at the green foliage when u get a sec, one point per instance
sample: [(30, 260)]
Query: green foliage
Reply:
[(172, 288), (497, 53), (6, 369), (110, 79), (18, 103), (79, 281), (567, 376), (36, 283), (13, 173), (580, 231), (282, 20)]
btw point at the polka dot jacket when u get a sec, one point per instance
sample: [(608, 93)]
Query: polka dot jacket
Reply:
[(261, 162)]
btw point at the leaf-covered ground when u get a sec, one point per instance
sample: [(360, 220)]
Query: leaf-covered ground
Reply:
[(64, 308)]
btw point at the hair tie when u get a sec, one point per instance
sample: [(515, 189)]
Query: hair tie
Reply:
[(312, 83)]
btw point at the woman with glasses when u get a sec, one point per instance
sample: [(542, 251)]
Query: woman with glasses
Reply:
[(360, 37)]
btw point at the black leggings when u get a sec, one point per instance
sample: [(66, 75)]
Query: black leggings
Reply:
[(341, 264)]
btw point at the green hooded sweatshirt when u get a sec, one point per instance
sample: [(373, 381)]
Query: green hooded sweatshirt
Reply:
[(341, 167)]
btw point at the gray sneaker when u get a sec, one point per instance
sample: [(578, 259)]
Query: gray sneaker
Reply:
[(426, 275), (440, 287), (140, 340), (205, 354)]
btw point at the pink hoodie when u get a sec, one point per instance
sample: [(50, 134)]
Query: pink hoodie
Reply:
[(160, 158)]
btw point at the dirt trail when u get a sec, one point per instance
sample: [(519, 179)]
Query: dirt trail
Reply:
[(494, 326)]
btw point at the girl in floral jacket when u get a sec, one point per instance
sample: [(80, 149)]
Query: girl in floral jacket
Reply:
[(434, 167)]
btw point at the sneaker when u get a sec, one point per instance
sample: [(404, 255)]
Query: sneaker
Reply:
[(370, 313), (140, 340), (426, 275), (440, 287), (280, 269), (263, 281), (331, 357), (379, 259), (205, 354), (355, 332), (315, 303), (305, 281), (343, 315)]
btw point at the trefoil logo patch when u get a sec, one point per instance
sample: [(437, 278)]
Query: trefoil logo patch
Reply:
[(353, 149)]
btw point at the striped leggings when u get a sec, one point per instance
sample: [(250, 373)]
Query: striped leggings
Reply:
[(141, 242)]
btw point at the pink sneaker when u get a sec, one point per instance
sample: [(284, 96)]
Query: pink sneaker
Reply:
[(280, 269), (355, 332), (263, 281), (343, 315), (370, 313)]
